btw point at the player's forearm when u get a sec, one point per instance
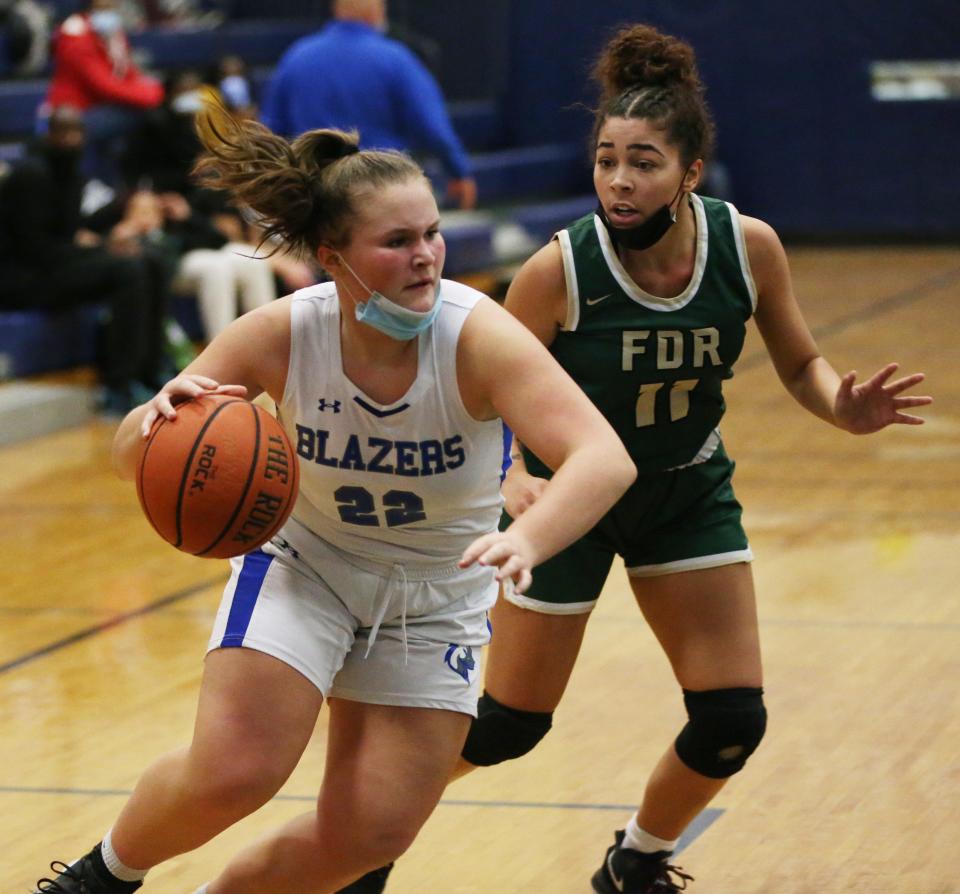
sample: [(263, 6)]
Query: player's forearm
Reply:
[(815, 388), (583, 489)]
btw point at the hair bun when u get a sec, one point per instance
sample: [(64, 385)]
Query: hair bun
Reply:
[(316, 149), (641, 56)]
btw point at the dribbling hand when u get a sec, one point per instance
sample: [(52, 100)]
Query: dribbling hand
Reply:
[(177, 390)]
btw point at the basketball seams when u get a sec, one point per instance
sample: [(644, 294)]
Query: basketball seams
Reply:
[(178, 515), (186, 457), (246, 488)]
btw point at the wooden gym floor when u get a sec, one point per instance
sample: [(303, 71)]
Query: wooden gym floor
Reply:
[(856, 788)]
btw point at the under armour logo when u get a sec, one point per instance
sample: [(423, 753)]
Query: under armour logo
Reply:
[(460, 660), (323, 404), (280, 543)]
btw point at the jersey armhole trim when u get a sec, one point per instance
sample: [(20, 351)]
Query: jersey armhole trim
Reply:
[(296, 313), (737, 225), (570, 276)]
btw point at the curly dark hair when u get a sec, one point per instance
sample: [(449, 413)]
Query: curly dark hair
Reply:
[(644, 73)]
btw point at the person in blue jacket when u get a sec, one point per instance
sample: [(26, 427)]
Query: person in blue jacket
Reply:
[(350, 75)]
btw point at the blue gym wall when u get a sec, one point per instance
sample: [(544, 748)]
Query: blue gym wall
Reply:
[(806, 146)]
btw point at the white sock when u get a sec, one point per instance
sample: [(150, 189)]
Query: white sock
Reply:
[(114, 866), (637, 839)]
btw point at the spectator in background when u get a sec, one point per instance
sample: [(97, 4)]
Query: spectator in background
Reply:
[(232, 82), (351, 76), (215, 243), (197, 255), (163, 145), (93, 71), (48, 262)]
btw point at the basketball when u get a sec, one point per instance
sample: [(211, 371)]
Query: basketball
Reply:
[(220, 479)]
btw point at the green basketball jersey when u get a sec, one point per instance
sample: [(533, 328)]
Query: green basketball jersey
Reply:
[(655, 366)]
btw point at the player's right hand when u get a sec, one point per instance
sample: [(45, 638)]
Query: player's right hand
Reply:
[(185, 386), (521, 490)]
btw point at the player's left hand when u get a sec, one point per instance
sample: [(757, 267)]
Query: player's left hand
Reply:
[(508, 551), (863, 409)]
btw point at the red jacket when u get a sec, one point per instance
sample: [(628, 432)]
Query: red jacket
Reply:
[(88, 70)]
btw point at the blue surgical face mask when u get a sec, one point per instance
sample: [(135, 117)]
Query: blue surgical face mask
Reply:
[(106, 22), (390, 318), (236, 91)]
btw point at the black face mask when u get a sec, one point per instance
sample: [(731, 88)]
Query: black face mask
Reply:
[(646, 233)]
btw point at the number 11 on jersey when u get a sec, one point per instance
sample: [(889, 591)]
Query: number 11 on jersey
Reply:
[(679, 400)]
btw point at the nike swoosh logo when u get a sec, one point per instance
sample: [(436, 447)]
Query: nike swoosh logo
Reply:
[(617, 881), (592, 301)]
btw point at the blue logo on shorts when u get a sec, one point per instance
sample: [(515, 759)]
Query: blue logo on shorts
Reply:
[(460, 660)]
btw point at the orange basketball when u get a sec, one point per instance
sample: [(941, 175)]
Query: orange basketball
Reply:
[(220, 479)]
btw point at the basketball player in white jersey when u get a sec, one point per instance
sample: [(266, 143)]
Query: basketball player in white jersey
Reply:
[(392, 384)]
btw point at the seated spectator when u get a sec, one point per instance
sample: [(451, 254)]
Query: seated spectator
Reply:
[(160, 157), (224, 276), (163, 145), (93, 71), (48, 262)]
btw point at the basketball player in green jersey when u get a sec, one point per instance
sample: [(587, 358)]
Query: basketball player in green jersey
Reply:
[(645, 303)]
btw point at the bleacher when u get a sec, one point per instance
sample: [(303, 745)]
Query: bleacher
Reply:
[(526, 192)]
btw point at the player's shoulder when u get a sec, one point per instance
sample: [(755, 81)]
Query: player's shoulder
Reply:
[(762, 242), (754, 228), (320, 293), (544, 268), (459, 295)]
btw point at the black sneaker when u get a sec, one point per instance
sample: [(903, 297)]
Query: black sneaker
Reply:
[(89, 875), (372, 883), (626, 871)]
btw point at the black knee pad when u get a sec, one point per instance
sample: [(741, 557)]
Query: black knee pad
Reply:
[(725, 728), (501, 733)]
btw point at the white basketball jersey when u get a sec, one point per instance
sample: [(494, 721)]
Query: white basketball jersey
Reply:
[(414, 482)]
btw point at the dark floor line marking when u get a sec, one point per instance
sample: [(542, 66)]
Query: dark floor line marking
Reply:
[(115, 621), (824, 624), (916, 626), (903, 298), (703, 821)]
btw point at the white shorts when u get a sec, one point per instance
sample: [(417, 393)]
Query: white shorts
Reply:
[(358, 630)]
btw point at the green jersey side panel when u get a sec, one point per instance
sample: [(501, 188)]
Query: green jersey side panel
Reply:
[(654, 366)]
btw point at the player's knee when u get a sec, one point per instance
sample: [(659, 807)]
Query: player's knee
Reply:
[(724, 729), (501, 733), (242, 784)]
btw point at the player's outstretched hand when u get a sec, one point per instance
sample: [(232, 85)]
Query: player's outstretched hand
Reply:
[(521, 490), (866, 408), (509, 552), (183, 387)]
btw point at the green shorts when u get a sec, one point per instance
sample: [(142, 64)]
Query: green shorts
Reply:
[(676, 520)]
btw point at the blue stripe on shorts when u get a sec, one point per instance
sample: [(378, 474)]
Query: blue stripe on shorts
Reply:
[(507, 443), (249, 582)]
